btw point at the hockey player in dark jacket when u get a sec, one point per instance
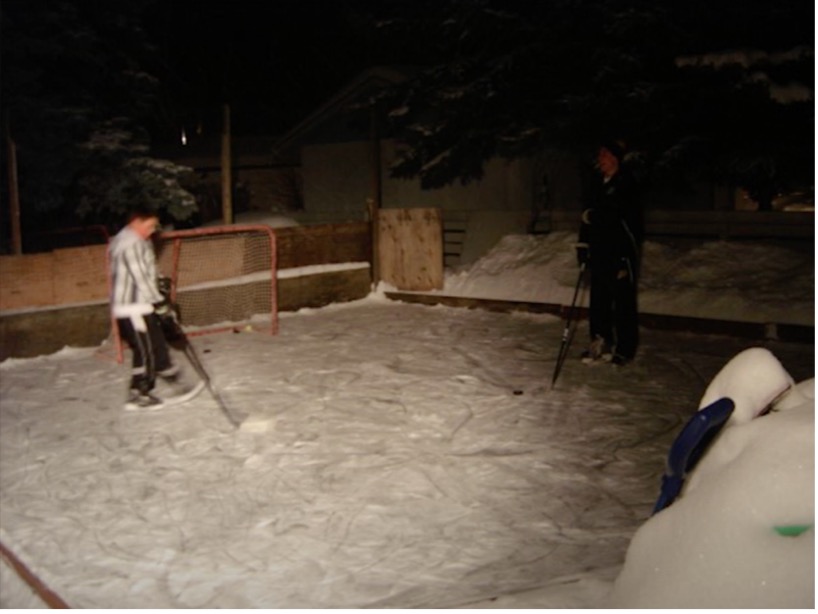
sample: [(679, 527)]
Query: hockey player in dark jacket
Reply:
[(610, 241)]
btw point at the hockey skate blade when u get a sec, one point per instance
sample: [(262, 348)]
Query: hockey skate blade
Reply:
[(189, 395), (595, 362)]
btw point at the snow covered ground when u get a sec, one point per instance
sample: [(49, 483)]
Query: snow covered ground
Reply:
[(394, 455), (725, 280)]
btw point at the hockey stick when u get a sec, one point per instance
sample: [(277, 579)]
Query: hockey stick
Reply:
[(566, 333), (196, 363), (175, 336)]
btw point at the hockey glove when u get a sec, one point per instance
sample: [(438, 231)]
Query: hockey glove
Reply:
[(583, 254), (164, 285), (168, 321)]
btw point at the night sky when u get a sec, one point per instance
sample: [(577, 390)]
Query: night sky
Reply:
[(273, 62)]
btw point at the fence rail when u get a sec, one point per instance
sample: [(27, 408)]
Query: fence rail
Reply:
[(708, 224)]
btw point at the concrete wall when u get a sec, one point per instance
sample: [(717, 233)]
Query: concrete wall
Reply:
[(45, 331)]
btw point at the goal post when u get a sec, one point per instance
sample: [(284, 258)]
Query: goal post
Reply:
[(221, 277)]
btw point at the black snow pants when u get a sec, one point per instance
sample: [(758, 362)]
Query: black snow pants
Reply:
[(150, 351), (613, 306)]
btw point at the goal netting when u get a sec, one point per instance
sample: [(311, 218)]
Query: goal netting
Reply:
[(221, 277)]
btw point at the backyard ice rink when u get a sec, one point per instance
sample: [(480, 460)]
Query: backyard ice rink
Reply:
[(393, 455), (388, 464)]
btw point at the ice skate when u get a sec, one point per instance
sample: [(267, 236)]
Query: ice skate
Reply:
[(142, 401), (620, 361), (598, 351)]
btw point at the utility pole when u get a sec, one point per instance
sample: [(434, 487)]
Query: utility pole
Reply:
[(374, 202), (13, 194), (227, 179)]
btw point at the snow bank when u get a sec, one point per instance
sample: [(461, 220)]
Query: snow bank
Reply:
[(742, 534), (740, 281), (752, 379)]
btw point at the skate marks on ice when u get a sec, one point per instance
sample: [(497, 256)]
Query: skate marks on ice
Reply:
[(400, 471)]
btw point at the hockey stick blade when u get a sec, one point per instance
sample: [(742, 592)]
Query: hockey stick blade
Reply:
[(193, 357), (231, 417)]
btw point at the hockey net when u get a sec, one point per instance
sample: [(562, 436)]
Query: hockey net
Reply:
[(221, 277)]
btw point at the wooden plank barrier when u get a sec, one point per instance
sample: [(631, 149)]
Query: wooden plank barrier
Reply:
[(27, 281), (410, 248), (49, 300), (710, 224)]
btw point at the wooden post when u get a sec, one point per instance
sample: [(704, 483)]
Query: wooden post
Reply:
[(374, 234), (227, 179), (14, 196), (374, 202)]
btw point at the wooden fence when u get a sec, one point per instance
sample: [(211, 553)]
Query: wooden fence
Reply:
[(50, 300), (710, 224)]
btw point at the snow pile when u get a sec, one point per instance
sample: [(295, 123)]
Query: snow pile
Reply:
[(749, 282), (742, 534), (741, 281), (753, 380)]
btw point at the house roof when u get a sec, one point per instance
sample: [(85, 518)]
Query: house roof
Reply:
[(366, 83), (205, 152)]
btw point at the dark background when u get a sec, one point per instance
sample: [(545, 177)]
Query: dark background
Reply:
[(272, 62), (89, 86)]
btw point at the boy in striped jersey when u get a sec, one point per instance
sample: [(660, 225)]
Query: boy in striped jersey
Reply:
[(139, 307)]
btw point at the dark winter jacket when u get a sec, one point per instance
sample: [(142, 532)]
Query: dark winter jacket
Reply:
[(612, 225)]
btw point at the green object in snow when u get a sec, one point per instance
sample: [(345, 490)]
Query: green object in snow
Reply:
[(792, 530)]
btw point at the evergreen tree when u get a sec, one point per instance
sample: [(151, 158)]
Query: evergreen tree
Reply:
[(76, 102), (694, 86)]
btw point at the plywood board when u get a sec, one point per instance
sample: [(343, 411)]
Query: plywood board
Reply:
[(27, 281), (410, 248), (300, 246), (80, 275)]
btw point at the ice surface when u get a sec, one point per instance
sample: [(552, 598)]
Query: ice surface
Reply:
[(397, 468)]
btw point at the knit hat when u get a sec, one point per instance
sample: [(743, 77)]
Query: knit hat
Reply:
[(616, 147)]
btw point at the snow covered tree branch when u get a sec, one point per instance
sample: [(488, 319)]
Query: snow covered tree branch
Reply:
[(696, 96)]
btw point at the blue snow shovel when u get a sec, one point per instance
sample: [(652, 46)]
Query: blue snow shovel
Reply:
[(689, 446)]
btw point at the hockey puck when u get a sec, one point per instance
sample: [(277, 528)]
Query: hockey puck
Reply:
[(518, 392)]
